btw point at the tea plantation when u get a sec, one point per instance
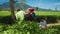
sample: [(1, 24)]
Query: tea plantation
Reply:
[(8, 26)]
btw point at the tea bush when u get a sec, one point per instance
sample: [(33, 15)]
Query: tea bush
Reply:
[(49, 19), (27, 27)]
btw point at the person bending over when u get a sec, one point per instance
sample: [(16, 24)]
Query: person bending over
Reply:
[(43, 24)]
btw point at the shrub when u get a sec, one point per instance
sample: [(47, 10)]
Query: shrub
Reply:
[(28, 27), (59, 17), (39, 17), (6, 19), (49, 19)]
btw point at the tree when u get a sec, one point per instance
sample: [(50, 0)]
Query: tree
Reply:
[(12, 9), (56, 8), (37, 8)]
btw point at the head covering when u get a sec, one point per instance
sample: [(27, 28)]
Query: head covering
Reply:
[(18, 9), (31, 9)]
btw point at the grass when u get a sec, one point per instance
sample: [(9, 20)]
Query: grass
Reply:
[(27, 27), (4, 13), (47, 13), (56, 13)]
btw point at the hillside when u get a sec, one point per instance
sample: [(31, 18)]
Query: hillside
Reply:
[(16, 5), (6, 6)]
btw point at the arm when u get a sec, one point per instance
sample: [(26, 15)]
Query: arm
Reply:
[(46, 24), (33, 15)]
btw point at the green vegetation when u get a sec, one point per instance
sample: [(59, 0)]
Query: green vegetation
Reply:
[(4, 13), (26, 27), (45, 13), (57, 13)]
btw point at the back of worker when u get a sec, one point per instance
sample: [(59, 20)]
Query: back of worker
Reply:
[(20, 16)]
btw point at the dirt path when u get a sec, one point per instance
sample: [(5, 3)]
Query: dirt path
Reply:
[(54, 24)]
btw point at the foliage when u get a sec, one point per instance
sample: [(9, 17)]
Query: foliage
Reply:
[(27, 27), (49, 19), (47, 13), (59, 17), (36, 8)]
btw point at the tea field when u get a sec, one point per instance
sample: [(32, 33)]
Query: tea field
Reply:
[(26, 27)]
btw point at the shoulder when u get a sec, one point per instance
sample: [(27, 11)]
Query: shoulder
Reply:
[(44, 20), (41, 22), (22, 11)]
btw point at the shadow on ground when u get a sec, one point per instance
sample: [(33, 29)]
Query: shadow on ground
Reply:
[(6, 19)]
